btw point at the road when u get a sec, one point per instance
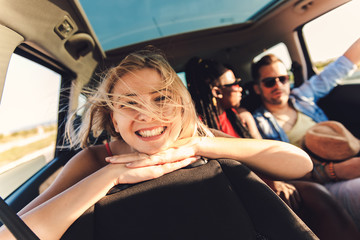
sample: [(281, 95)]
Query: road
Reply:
[(16, 173)]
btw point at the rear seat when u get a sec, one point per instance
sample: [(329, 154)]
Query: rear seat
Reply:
[(222, 199)]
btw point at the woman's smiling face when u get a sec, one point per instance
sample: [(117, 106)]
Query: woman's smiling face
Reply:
[(137, 97)]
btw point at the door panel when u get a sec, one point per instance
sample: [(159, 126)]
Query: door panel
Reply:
[(343, 105)]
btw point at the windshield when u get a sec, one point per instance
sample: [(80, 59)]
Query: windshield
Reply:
[(121, 22)]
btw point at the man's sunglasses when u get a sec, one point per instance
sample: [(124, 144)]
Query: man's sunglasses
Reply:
[(271, 81), (236, 83)]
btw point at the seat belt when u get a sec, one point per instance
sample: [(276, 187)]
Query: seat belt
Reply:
[(14, 223)]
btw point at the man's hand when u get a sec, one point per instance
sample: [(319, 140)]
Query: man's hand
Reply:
[(288, 193)]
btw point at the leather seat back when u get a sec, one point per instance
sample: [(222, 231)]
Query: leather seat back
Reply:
[(222, 199)]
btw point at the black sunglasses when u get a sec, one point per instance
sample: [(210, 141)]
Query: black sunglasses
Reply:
[(237, 82), (271, 81)]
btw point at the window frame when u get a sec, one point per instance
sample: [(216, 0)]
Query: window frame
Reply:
[(31, 187)]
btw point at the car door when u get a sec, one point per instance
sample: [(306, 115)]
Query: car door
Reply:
[(33, 106)]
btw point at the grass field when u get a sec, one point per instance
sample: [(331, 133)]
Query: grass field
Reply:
[(5, 138), (14, 153)]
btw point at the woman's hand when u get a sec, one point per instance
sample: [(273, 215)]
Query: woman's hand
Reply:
[(137, 174), (288, 193), (181, 150)]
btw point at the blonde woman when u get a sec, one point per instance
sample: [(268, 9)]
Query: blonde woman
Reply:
[(149, 114)]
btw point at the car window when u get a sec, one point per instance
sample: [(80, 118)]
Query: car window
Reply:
[(28, 121), (156, 19), (182, 77), (328, 36), (280, 50)]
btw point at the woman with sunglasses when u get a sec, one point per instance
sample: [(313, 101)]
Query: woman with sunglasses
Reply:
[(286, 115), (217, 95)]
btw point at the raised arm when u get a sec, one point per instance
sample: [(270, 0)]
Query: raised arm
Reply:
[(353, 52), (321, 84)]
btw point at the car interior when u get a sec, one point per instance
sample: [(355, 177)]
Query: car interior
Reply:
[(75, 41)]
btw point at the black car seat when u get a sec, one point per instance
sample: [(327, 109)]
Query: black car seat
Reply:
[(221, 199), (250, 100)]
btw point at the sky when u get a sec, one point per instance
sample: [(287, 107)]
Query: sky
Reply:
[(22, 105)]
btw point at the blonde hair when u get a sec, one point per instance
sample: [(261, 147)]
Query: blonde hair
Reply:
[(100, 103)]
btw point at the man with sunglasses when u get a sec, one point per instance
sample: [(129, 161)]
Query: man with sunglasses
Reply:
[(282, 108), (286, 115)]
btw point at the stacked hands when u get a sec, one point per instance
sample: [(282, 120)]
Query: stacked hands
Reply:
[(138, 167)]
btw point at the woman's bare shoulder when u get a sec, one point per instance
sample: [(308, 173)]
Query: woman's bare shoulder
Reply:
[(245, 115), (85, 162), (243, 111), (95, 155)]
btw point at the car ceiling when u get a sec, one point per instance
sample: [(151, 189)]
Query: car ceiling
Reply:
[(81, 53), (235, 43), (129, 22)]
